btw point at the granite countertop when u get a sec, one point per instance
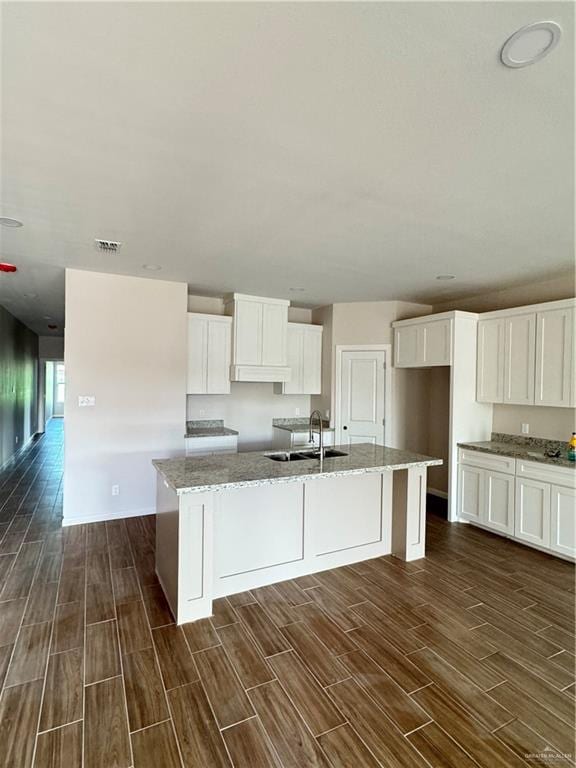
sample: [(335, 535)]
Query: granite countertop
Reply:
[(208, 428), (524, 448), (226, 471), (300, 425)]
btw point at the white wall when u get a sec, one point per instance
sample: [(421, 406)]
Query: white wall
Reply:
[(553, 423), (125, 344), (249, 408)]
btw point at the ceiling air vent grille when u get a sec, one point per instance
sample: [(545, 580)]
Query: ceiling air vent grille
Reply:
[(107, 246)]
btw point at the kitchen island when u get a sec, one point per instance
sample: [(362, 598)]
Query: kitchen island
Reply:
[(230, 523)]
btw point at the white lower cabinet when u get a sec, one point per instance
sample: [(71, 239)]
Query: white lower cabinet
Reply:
[(470, 493), (532, 502), (562, 520), (532, 513), (499, 502), (486, 498)]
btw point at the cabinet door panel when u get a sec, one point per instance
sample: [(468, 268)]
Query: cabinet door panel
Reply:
[(197, 355), (519, 372), (554, 357), (498, 511), (312, 363), (407, 346), (563, 521), (295, 361), (470, 493), (532, 513), (274, 332), (437, 343), (490, 362), (248, 333), (218, 358)]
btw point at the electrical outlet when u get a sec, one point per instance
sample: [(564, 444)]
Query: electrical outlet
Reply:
[(297, 411), (115, 490), (525, 429), (17, 439), (202, 413), (86, 401)]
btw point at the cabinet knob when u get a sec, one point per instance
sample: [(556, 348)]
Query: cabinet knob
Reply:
[(344, 427)]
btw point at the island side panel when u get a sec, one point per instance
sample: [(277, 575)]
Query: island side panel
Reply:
[(409, 513), (167, 524)]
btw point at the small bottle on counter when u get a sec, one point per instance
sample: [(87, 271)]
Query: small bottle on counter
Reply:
[(572, 447)]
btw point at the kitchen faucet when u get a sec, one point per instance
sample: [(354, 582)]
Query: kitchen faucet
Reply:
[(316, 414)]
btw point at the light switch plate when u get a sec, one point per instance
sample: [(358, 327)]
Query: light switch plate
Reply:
[(525, 429), (86, 401)]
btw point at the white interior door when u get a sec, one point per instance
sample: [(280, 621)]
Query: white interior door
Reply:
[(362, 397)]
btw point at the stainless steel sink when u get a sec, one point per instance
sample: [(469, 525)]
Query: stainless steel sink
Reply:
[(329, 453)]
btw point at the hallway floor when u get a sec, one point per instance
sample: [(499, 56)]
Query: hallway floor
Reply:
[(462, 659)]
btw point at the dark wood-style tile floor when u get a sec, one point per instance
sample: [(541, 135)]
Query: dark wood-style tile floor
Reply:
[(463, 659)]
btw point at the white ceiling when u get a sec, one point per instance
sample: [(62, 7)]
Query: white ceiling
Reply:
[(354, 149)]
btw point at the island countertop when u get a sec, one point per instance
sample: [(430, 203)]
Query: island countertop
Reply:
[(226, 471)]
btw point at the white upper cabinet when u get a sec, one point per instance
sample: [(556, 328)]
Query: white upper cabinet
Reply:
[(259, 338), (519, 350), (406, 346), (490, 370), (527, 357), (209, 338), (304, 359), (423, 343), (555, 358)]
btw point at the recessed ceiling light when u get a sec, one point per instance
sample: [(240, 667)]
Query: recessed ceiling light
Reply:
[(30, 295), (6, 267), (47, 317), (151, 267), (445, 277), (6, 221), (297, 290), (530, 44)]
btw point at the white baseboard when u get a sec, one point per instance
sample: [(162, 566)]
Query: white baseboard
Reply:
[(436, 492), (105, 517)]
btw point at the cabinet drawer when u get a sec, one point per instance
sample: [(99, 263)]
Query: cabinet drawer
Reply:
[(504, 464), (546, 473)]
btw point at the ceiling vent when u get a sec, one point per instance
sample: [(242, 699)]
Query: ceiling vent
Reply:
[(107, 246)]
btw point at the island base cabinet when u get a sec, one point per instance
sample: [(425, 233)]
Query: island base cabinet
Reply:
[(563, 520), (213, 544), (532, 514)]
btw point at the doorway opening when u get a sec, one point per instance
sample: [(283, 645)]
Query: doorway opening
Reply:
[(54, 390)]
